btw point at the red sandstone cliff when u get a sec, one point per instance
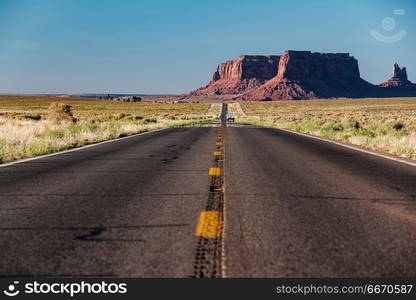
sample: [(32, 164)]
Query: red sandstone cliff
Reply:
[(298, 75), (240, 75), (307, 75)]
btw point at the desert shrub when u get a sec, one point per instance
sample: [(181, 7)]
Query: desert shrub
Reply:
[(73, 129), (147, 121), (35, 117), (327, 132), (405, 150), (91, 126), (398, 126), (130, 118), (295, 127), (119, 116), (106, 117), (352, 123), (365, 132), (337, 127), (59, 112), (113, 125), (345, 136), (38, 147)]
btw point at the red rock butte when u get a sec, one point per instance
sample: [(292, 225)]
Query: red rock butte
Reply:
[(241, 75), (299, 75)]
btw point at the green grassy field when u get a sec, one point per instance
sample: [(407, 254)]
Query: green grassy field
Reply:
[(27, 130), (382, 124)]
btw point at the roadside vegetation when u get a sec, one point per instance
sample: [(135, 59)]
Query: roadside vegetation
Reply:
[(382, 124), (32, 125)]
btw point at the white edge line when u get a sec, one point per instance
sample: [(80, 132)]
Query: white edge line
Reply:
[(77, 149), (413, 164)]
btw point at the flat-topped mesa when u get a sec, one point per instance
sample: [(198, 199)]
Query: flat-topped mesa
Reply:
[(308, 75), (240, 75), (306, 64), (298, 75), (399, 79)]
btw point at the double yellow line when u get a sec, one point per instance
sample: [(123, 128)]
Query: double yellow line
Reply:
[(210, 223)]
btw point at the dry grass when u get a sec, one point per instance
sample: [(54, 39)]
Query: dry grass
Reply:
[(28, 128), (386, 124), (85, 106)]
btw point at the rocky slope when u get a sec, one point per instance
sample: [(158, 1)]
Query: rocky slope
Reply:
[(240, 75)]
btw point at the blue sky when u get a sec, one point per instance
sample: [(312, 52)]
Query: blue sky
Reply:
[(162, 46)]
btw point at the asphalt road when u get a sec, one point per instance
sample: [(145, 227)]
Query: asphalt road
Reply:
[(294, 207), (300, 207), (126, 208)]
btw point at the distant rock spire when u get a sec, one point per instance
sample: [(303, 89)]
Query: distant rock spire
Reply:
[(399, 72), (399, 79), (217, 74)]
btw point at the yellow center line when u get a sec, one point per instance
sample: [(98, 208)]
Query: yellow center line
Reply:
[(218, 153), (220, 144), (215, 171), (209, 224)]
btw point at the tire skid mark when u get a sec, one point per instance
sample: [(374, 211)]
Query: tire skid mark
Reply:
[(208, 256)]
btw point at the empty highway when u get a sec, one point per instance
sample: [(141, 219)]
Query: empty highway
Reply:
[(292, 207)]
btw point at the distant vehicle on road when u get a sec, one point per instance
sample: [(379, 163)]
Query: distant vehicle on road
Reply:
[(230, 118)]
